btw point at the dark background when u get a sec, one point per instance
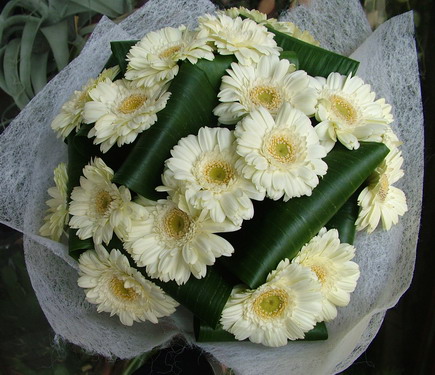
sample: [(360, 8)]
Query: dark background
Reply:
[(404, 344)]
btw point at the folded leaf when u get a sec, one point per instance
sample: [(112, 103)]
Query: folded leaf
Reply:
[(279, 229), (314, 60), (194, 95)]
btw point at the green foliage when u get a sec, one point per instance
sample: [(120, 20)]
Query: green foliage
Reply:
[(39, 38)]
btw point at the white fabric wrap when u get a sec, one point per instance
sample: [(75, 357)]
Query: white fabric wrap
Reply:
[(29, 151)]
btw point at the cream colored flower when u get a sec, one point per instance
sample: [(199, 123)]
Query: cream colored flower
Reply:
[(121, 111), (71, 114), (347, 111), (119, 289), (245, 39), (153, 60), (173, 243), (282, 309), (98, 207), (291, 29), (282, 157), (380, 201), (270, 84), (57, 213), (252, 14), (203, 170), (331, 261)]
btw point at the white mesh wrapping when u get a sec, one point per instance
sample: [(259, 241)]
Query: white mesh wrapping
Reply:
[(29, 151)]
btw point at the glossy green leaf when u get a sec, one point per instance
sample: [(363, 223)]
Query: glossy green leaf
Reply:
[(204, 333), (290, 56), (194, 95), (119, 53), (279, 229), (314, 60), (205, 297)]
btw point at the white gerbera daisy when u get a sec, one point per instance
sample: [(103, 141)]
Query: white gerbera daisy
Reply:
[(57, 213), (173, 244), (347, 111), (291, 29), (71, 114), (269, 84), (282, 309), (154, 58), (98, 207), (331, 261), (203, 170), (380, 201), (282, 157), (121, 111), (245, 39), (119, 289), (252, 14)]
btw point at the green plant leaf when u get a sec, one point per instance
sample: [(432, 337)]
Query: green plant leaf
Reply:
[(39, 71), (194, 95), (119, 53), (205, 297), (314, 60), (290, 56), (204, 333), (57, 37), (279, 229)]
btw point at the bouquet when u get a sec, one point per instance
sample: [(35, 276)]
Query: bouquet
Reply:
[(221, 167)]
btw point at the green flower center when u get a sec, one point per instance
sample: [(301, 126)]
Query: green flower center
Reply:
[(281, 149), (169, 52), (176, 223), (271, 304), (343, 109), (218, 172), (132, 103), (266, 96), (119, 290), (103, 199)]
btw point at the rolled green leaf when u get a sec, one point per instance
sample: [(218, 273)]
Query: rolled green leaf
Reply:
[(204, 333), (290, 56), (119, 53), (279, 229), (314, 60), (205, 297), (194, 95)]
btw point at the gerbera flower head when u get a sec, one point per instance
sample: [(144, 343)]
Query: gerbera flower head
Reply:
[(270, 84), (245, 39), (331, 262), (282, 309), (173, 243), (291, 29), (380, 201), (119, 289), (348, 112), (203, 170), (252, 14), (57, 213), (98, 207), (153, 60), (282, 157), (121, 111), (71, 113)]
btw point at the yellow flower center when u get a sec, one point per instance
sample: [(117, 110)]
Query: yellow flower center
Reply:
[(343, 109), (119, 290), (320, 272), (281, 149), (169, 52), (271, 304), (384, 186), (132, 103), (176, 223), (102, 202), (266, 96), (218, 172)]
